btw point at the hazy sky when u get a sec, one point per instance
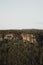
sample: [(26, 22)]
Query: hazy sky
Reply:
[(21, 14)]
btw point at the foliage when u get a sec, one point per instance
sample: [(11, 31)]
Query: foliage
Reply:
[(20, 53)]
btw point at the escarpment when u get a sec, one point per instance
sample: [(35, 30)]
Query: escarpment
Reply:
[(31, 36), (21, 47)]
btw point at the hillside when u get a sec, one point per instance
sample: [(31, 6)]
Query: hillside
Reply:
[(21, 47)]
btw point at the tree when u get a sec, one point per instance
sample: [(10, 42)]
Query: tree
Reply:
[(39, 38)]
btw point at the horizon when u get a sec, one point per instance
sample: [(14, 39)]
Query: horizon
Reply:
[(19, 29)]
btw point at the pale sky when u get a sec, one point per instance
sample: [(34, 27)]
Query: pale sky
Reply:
[(21, 14)]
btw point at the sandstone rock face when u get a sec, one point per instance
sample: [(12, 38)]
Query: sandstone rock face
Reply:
[(15, 37), (28, 37), (8, 36)]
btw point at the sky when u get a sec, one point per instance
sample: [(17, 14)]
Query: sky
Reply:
[(21, 14)]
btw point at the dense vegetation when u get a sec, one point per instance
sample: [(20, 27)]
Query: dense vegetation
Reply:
[(20, 53)]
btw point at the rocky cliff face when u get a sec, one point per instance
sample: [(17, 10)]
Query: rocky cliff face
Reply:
[(31, 36), (28, 37), (13, 37)]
